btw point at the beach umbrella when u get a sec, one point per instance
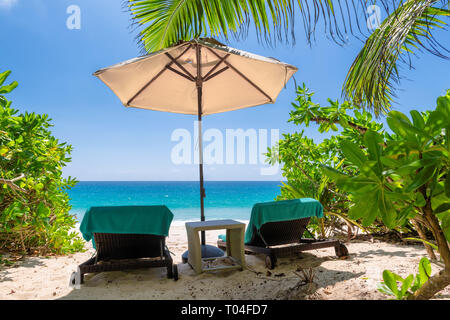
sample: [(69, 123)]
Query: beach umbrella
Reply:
[(198, 77)]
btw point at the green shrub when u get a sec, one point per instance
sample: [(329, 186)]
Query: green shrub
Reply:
[(34, 205), (405, 177), (365, 174), (303, 158)]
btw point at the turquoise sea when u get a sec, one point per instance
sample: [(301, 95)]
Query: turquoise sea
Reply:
[(224, 199)]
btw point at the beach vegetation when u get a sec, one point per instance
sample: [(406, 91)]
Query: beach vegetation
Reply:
[(34, 204), (374, 178), (402, 177), (303, 158)]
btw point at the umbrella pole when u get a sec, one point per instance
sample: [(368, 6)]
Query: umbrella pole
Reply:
[(200, 156), (200, 138)]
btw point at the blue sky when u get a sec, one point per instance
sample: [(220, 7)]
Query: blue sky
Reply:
[(54, 67)]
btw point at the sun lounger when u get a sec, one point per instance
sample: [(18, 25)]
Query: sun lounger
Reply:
[(127, 237), (276, 228)]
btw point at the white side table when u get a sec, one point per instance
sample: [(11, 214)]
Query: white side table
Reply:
[(235, 243)]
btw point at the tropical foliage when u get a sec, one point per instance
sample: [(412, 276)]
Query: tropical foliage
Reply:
[(366, 175), (374, 74), (403, 177), (409, 27), (34, 205), (303, 158)]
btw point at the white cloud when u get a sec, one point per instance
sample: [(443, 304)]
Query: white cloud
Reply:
[(7, 3)]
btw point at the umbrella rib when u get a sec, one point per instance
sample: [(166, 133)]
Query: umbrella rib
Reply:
[(242, 75), (180, 73), (215, 67), (156, 77), (174, 60), (215, 74)]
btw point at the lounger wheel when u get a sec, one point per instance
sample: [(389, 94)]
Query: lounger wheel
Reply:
[(172, 272), (175, 272), (341, 250), (271, 261)]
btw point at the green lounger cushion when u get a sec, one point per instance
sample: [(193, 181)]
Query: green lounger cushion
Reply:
[(154, 220), (284, 210)]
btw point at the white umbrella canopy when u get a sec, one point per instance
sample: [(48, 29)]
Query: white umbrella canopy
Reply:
[(198, 77), (167, 80)]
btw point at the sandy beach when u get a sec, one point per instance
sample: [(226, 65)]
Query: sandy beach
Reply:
[(353, 278)]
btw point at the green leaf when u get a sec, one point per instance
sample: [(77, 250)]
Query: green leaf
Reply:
[(371, 169), (383, 288), (406, 284), (404, 215), (343, 122), (357, 211), (387, 212), (424, 270), (373, 142), (435, 123), (442, 208), (389, 280), (390, 161), (432, 158), (445, 224), (359, 185), (416, 284), (409, 168), (423, 241), (443, 107), (296, 193), (333, 173), (365, 208), (423, 177), (353, 153), (399, 123), (418, 120), (447, 185), (419, 200), (8, 88), (3, 76)]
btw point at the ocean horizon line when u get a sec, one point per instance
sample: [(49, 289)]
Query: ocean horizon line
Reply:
[(231, 199)]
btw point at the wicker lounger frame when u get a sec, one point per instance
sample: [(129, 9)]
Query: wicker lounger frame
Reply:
[(116, 252), (283, 238)]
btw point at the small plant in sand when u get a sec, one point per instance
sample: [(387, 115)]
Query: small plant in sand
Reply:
[(34, 205), (408, 285)]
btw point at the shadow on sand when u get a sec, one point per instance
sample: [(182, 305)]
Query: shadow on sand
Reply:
[(24, 262), (254, 283)]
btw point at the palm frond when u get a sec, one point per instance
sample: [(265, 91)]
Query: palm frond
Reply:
[(166, 22), (373, 76)]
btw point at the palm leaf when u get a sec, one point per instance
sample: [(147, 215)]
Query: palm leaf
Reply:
[(374, 74), (166, 22)]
